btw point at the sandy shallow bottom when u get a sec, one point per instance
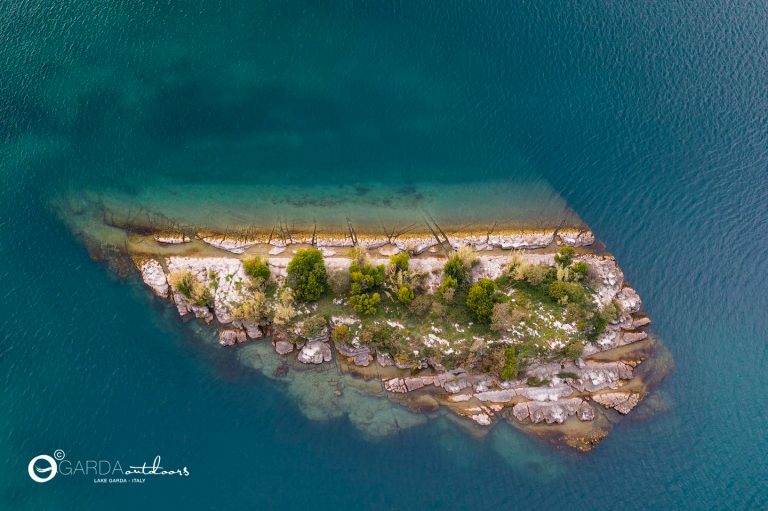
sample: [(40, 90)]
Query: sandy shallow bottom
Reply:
[(375, 208)]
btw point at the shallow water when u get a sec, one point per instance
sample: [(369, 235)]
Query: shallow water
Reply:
[(648, 119)]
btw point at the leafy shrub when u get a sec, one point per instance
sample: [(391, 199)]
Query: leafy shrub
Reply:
[(405, 295), (313, 326), (534, 274), (510, 368), (339, 282), (564, 292), (579, 270), (190, 288), (400, 261), (564, 256), (284, 311), (421, 305), (448, 283), (384, 338), (447, 292), (458, 269), (481, 299), (573, 350), (183, 282), (254, 309), (365, 303), (535, 381), (467, 256), (307, 275), (257, 269), (365, 277), (610, 312), (398, 275), (341, 333), (501, 319)]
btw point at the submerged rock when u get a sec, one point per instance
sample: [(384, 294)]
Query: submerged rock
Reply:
[(283, 347)]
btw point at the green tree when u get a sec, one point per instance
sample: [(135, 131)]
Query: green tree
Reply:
[(307, 275), (481, 299), (457, 270)]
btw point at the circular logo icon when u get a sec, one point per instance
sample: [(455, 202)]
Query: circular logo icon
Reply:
[(42, 468)]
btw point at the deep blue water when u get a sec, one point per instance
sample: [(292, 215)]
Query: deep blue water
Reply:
[(649, 118)]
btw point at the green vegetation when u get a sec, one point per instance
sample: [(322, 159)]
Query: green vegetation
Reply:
[(399, 280), (481, 299), (564, 256), (365, 279), (510, 368), (535, 381), (341, 333), (313, 326), (258, 270), (365, 303), (254, 309), (284, 311), (307, 276), (532, 312), (405, 295), (192, 289), (385, 338), (400, 261)]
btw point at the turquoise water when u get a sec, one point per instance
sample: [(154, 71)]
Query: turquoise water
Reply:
[(649, 119)]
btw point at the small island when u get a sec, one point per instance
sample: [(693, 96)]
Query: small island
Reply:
[(536, 327)]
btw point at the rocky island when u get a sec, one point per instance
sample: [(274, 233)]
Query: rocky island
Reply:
[(533, 326)]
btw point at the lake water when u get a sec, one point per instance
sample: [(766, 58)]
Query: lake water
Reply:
[(650, 119)]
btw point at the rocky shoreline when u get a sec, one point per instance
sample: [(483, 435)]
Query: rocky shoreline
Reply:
[(575, 406)]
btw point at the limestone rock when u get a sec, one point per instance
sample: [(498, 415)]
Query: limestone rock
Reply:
[(576, 238), (230, 337), (596, 376), (550, 412), (153, 275), (497, 396), (201, 312), (622, 402), (641, 322), (182, 306), (236, 246), (253, 330), (361, 356), (629, 300), (389, 250), (585, 412), (384, 359), (283, 347), (171, 238), (315, 352), (630, 337)]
